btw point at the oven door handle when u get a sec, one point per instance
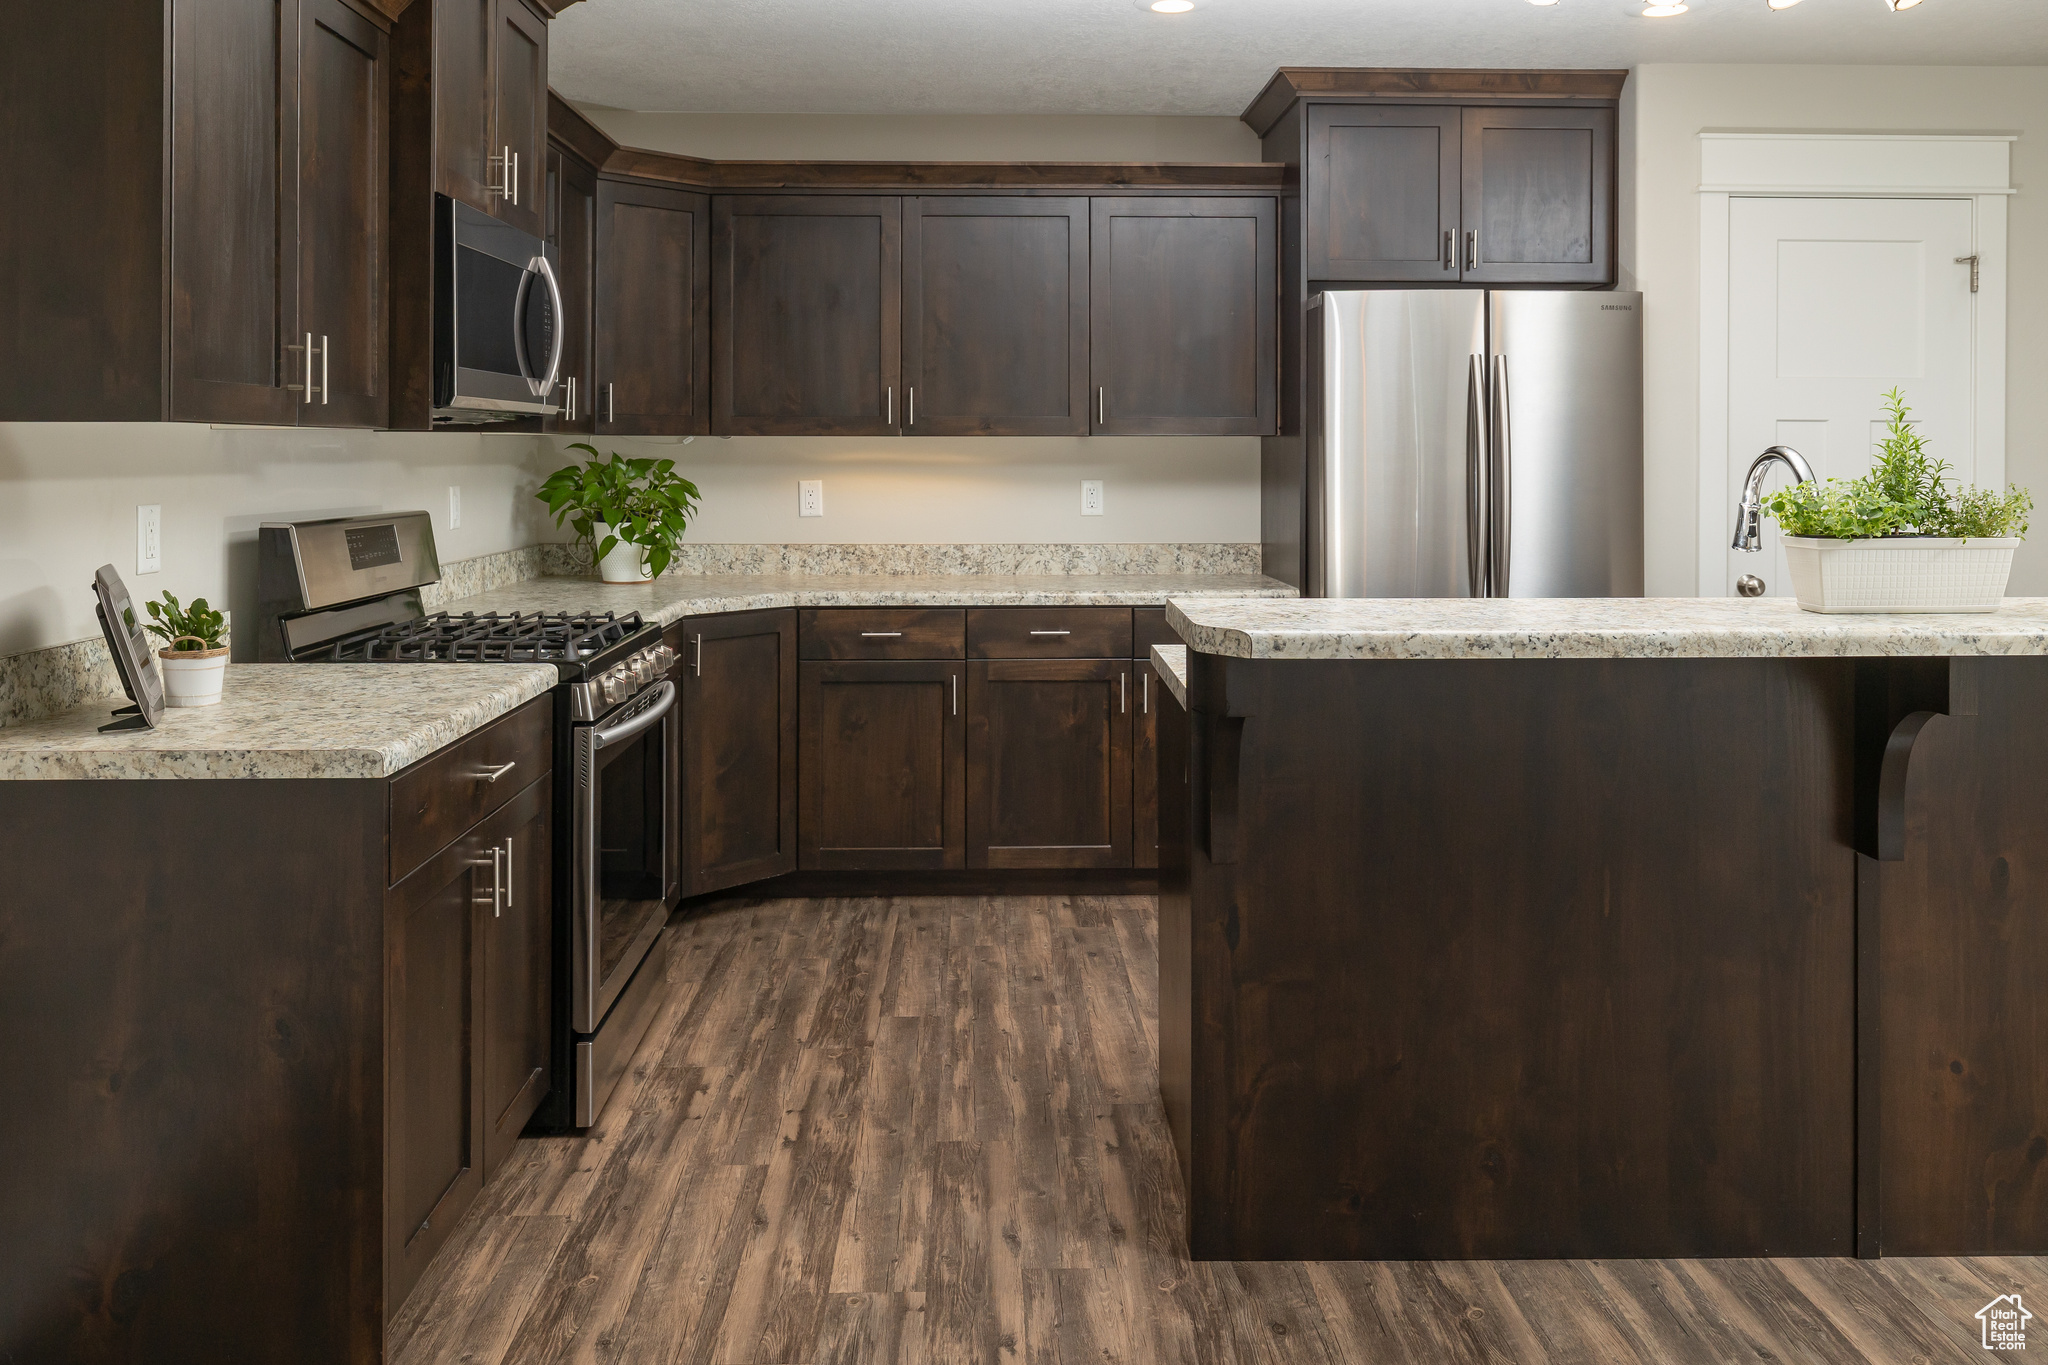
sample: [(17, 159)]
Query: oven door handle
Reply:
[(647, 713)]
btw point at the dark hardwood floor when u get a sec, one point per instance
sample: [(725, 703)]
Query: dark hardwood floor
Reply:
[(929, 1130)]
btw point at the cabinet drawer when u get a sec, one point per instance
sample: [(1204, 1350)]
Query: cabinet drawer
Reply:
[(881, 633), (1149, 628), (1049, 633), (436, 799)]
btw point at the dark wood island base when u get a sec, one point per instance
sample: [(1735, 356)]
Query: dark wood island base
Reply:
[(1610, 957)]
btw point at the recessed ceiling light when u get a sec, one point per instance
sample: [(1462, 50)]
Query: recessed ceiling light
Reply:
[(1781, 4), (1542, 2), (1897, 5), (1664, 10), (1171, 6)]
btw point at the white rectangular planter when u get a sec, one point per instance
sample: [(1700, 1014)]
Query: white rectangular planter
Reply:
[(1899, 573)]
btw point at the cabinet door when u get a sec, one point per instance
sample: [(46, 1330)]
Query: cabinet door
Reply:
[(572, 241), (1383, 193), (234, 217), (517, 942), (806, 299), (1184, 320), (1049, 763), (519, 113), (995, 317), (1539, 196), (884, 781), (1145, 767), (653, 324), (434, 1120), (344, 72), (738, 748), (464, 139)]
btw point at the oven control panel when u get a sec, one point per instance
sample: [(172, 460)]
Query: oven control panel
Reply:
[(622, 681)]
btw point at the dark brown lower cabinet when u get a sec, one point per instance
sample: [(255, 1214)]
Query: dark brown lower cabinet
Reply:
[(738, 747), (1145, 766), (1049, 763), (883, 764), (466, 996)]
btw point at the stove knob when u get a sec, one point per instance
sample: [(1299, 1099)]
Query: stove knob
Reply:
[(618, 685), (665, 657)]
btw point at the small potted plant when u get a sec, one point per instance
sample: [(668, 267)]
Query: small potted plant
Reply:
[(631, 513), (194, 659), (1901, 538)]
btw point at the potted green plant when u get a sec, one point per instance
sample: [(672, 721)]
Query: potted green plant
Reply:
[(631, 513), (194, 658), (1901, 538)]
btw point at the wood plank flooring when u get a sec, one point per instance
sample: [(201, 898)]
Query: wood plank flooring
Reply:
[(928, 1130)]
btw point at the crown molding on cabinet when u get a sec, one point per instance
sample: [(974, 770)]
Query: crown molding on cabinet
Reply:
[(1412, 85), (568, 127)]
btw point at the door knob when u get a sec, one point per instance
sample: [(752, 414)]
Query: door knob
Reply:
[(1749, 585)]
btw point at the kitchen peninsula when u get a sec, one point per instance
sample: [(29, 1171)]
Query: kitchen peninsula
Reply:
[(1608, 928)]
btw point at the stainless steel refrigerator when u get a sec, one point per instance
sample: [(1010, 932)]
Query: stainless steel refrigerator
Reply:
[(1475, 443)]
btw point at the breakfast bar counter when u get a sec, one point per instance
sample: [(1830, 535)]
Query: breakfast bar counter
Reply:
[(1609, 928)]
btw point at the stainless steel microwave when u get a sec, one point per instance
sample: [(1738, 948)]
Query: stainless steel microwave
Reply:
[(497, 318)]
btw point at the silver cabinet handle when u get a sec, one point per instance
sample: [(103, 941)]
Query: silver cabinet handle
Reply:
[(323, 369), (1101, 405), (1145, 691), (569, 399), (1450, 248), (880, 634), (493, 774), (514, 177), (956, 693), (509, 883), (305, 390), (1472, 249), (910, 406), (611, 407), (1123, 692), (697, 663), (889, 414), (497, 881), (1052, 632)]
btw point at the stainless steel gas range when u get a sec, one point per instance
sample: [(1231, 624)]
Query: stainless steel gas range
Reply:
[(347, 590)]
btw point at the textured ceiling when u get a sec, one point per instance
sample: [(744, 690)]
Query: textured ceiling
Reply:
[(1111, 57)]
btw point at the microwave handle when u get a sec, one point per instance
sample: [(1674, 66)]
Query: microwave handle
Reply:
[(547, 273)]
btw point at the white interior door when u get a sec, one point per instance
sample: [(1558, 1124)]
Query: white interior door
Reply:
[(1830, 303)]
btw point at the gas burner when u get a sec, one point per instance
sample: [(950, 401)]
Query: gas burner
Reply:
[(490, 637)]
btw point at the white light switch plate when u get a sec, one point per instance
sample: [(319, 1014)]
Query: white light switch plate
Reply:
[(149, 538), (454, 507), (1091, 497), (810, 497)]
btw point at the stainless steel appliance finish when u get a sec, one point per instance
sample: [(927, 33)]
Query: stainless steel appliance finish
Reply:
[(1471, 443), (498, 329), (620, 856), (600, 1060), (1389, 461), (1568, 442), (310, 576)]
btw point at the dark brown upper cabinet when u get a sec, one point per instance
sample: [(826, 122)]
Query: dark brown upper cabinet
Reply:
[(738, 747), (995, 316), (1382, 195), (1538, 194), (653, 321), (1184, 315), (806, 294), (209, 191), (490, 77), (571, 191)]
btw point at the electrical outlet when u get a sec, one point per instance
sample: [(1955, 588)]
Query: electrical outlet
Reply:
[(454, 507), (1091, 497), (149, 538), (810, 497)]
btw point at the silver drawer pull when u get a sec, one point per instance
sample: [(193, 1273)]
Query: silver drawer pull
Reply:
[(1052, 632), (493, 774), (880, 634)]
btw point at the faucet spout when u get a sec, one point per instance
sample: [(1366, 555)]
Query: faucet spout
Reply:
[(1749, 512)]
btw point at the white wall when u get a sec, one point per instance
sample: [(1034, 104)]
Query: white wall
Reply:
[(923, 137), (1664, 108), (68, 494), (935, 490)]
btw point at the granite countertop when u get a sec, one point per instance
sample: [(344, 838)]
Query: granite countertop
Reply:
[(283, 720), (674, 596), (1171, 663), (1592, 628)]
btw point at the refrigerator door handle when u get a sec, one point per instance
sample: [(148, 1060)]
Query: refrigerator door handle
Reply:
[(1475, 475), (1500, 542)]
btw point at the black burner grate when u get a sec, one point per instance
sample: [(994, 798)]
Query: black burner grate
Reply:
[(490, 637)]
